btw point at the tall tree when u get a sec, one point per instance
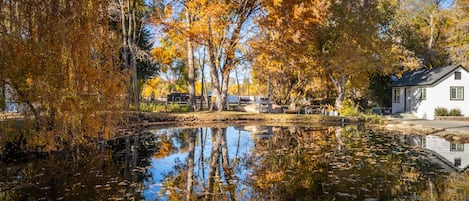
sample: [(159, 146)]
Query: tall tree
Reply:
[(174, 20), (131, 15), (458, 36), (419, 25), (348, 55), (190, 59), (224, 24), (279, 55), (59, 57), (218, 27)]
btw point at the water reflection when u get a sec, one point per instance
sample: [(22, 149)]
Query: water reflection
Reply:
[(247, 163), (113, 171), (214, 166), (451, 156), (305, 163)]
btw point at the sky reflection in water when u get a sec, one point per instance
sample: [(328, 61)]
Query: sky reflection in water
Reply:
[(248, 163), (278, 163)]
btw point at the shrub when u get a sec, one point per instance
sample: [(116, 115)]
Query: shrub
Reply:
[(441, 111), (349, 108), (455, 112), (151, 107), (373, 118)]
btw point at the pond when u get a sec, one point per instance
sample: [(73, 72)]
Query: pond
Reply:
[(247, 163)]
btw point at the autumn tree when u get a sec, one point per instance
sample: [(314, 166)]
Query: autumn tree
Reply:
[(174, 21), (60, 58), (458, 37), (217, 26), (129, 17), (350, 57), (279, 52), (420, 26)]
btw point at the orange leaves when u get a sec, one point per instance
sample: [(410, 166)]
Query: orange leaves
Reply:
[(168, 11), (62, 63)]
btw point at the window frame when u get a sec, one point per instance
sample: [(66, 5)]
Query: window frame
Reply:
[(457, 75), (422, 93), (455, 147), (456, 98), (397, 96), (457, 161)]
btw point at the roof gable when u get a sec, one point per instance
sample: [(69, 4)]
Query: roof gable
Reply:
[(425, 76)]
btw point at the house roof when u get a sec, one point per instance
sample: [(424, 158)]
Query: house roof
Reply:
[(425, 76)]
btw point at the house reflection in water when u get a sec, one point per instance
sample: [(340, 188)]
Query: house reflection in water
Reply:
[(451, 156), (260, 132)]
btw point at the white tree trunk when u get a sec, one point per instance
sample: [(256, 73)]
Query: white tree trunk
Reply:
[(339, 85), (190, 64)]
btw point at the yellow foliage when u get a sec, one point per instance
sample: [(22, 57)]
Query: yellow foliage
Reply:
[(66, 72), (154, 88)]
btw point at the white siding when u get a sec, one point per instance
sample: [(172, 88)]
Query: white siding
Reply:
[(438, 95), (424, 109), (441, 94), (443, 148)]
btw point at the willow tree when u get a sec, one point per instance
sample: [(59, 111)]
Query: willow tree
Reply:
[(59, 56)]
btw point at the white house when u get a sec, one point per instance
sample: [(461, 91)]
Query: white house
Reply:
[(454, 156), (420, 92)]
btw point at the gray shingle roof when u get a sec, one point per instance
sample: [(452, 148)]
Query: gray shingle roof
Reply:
[(425, 76)]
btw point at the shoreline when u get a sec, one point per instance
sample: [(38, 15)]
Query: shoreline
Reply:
[(457, 131), (140, 121)]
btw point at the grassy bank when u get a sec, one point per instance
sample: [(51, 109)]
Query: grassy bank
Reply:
[(226, 116)]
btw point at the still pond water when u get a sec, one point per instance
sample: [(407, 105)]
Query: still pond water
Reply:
[(248, 163)]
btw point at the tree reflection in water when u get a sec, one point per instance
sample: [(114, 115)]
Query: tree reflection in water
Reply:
[(109, 171), (238, 163), (307, 163)]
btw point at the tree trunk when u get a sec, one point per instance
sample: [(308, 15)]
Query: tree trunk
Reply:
[(432, 29), (132, 37), (202, 93), (129, 38), (238, 90), (190, 163), (339, 85), (125, 54), (190, 64), (218, 104), (227, 169), (214, 160), (224, 90)]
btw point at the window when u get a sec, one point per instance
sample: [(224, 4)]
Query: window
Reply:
[(457, 75), (457, 93), (456, 147), (457, 162), (397, 95), (423, 93)]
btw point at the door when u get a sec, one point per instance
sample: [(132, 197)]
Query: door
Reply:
[(408, 99)]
